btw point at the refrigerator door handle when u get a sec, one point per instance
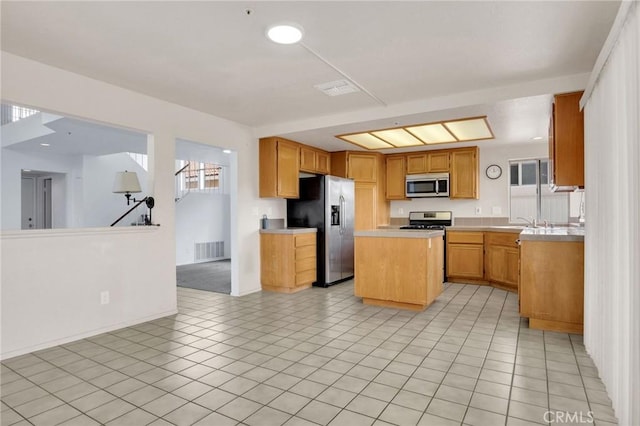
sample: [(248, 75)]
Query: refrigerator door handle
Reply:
[(342, 206)]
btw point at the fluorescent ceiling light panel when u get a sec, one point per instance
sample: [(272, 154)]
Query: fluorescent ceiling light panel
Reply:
[(398, 137), (432, 133), (366, 140), (470, 129)]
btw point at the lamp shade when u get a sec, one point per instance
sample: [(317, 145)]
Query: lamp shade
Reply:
[(126, 182)]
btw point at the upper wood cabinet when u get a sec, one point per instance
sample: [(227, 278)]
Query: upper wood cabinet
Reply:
[(417, 163), (464, 173), (396, 170), (438, 162), (363, 167), (428, 162), (279, 165), (314, 160), (566, 142)]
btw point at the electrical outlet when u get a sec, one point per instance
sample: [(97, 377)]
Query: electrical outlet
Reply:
[(104, 298), (478, 210), (400, 210)]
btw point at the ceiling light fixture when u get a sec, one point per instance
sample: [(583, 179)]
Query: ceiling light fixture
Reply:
[(226, 151), (536, 138), (462, 130), (45, 144), (285, 33)]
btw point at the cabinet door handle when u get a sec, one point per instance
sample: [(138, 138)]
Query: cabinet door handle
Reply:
[(518, 241)]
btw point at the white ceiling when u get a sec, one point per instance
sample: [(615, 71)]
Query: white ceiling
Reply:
[(213, 57)]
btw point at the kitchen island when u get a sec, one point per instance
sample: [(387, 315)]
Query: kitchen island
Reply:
[(399, 268), (552, 278)]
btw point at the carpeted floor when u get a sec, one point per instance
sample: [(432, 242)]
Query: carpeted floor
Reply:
[(209, 276)]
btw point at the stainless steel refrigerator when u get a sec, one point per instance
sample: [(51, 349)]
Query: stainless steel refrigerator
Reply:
[(327, 203)]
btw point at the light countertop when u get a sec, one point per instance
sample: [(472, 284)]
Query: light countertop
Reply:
[(289, 231), (560, 233)]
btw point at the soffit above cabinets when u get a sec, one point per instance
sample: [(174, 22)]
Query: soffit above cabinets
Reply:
[(450, 131)]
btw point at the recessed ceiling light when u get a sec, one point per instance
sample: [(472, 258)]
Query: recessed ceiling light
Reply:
[(285, 33), (226, 151), (45, 144), (537, 138)]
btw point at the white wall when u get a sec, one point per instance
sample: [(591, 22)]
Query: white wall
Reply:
[(101, 206), (149, 276), (201, 217), (493, 193)]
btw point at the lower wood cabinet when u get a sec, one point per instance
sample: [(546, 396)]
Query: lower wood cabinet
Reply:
[(502, 259), (465, 255), (287, 261), (552, 285)]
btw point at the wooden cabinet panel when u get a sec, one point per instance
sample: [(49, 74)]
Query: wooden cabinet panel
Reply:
[(465, 237), (398, 272), (566, 142), (366, 198), (502, 257), (279, 165), (417, 163), (314, 160), (287, 262), (552, 285), (438, 162), (465, 261), (363, 167), (464, 173), (308, 158), (396, 172), (323, 163), (512, 278)]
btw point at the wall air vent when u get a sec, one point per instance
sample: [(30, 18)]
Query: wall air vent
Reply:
[(337, 88)]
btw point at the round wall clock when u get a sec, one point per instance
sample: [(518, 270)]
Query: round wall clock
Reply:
[(494, 171)]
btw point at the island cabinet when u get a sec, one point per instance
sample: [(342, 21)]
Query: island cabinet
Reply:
[(566, 142), (465, 255), (502, 260), (314, 160), (395, 178), (463, 172), (398, 269), (287, 260), (279, 168), (368, 172), (552, 285)]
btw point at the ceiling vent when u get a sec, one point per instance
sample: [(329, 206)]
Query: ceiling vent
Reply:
[(337, 88)]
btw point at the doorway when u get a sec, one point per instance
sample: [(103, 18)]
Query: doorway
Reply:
[(36, 200), (203, 217)]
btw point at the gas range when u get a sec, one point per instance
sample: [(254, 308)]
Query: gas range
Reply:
[(437, 220)]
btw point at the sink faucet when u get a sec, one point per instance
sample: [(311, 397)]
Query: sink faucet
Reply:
[(530, 222)]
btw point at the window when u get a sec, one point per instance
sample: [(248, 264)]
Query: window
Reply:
[(529, 194), (201, 177)]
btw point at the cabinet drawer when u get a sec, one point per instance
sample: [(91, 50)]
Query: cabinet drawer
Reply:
[(306, 277), (501, 239), (306, 252), (305, 240), (305, 265), (467, 237)]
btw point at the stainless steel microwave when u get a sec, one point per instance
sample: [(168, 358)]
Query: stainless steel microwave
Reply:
[(427, 185)]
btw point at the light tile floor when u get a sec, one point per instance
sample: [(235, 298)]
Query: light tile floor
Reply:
[(316, 357)]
